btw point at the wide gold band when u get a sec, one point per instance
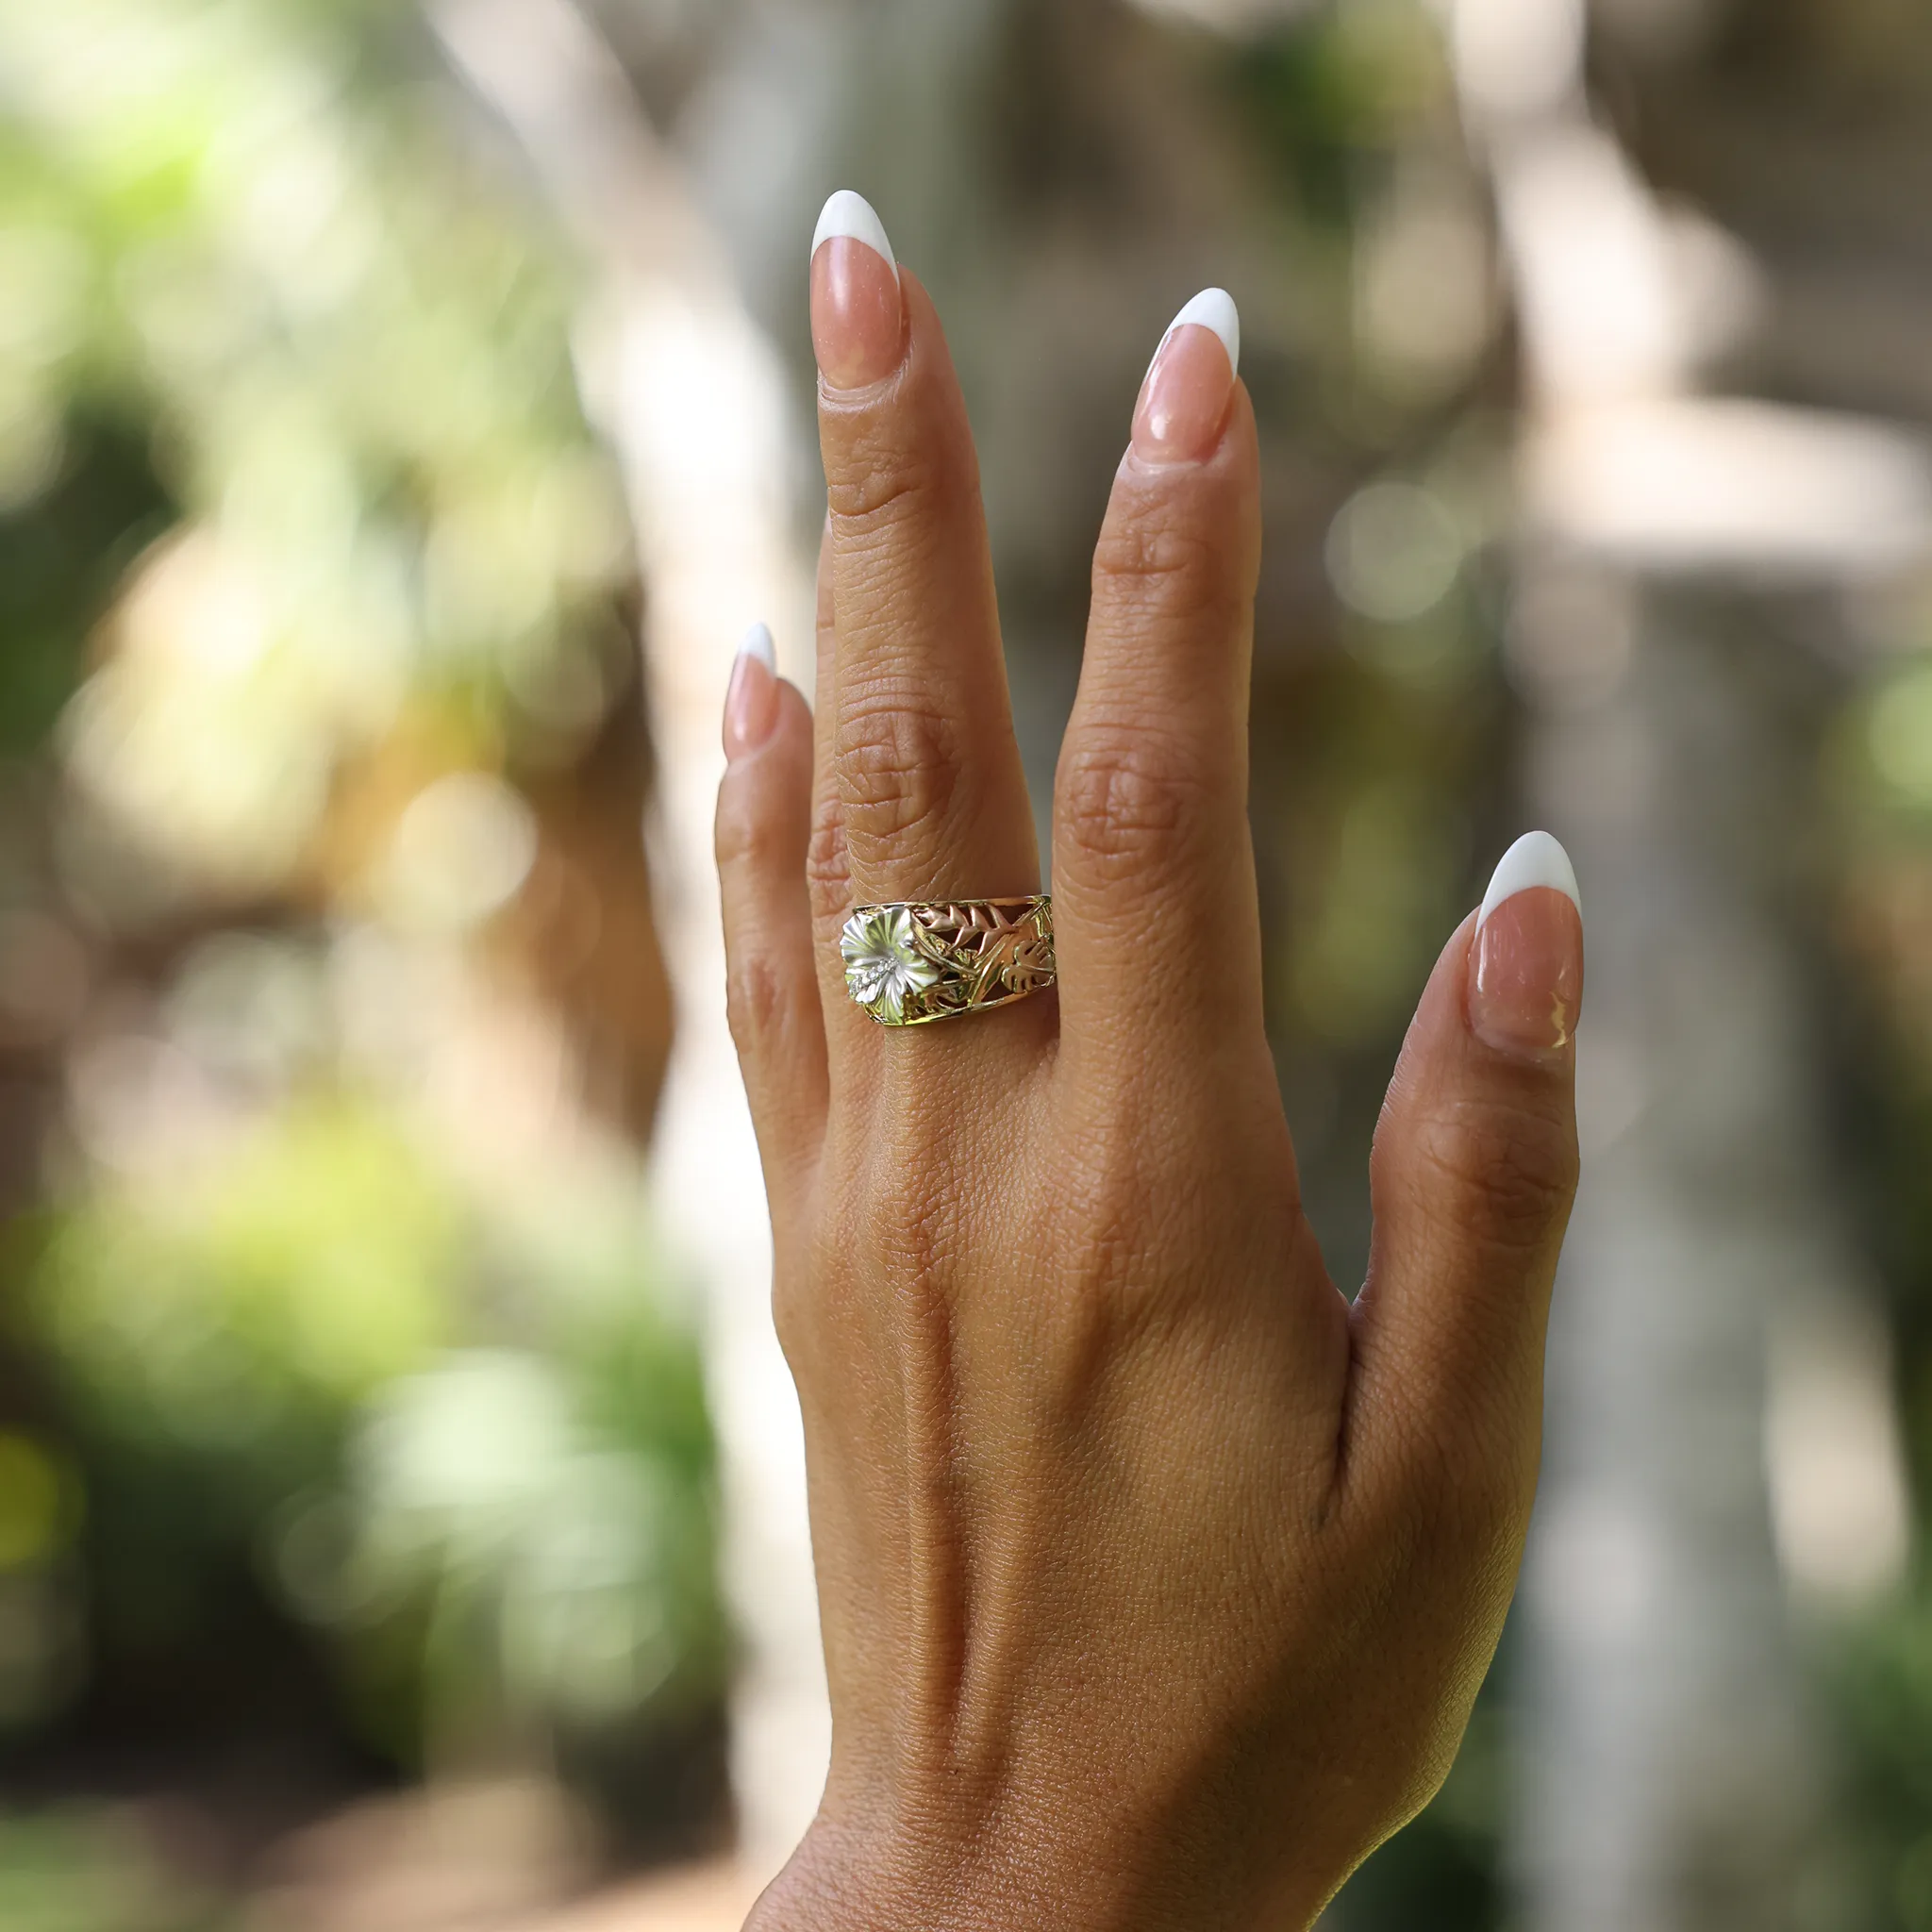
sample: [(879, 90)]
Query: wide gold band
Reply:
[(914, 962)]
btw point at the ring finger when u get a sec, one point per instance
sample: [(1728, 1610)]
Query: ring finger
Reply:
[(924, 770)]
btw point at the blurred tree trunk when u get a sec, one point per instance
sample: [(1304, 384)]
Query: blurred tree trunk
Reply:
[(1668, 1776), (1714, 1305)]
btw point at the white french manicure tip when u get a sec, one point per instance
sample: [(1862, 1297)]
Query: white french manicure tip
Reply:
[(853, 217), (1214, 309), (1534, 859), (759, 643)]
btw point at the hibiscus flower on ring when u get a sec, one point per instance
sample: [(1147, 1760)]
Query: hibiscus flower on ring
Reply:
[(884, 966)]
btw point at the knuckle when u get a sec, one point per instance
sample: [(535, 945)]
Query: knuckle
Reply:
[(1125, 795), (741, 833), (1153, 567), (756, 998), (1512, 1173), (898, 769), (1124, 1218), (827, 865), (1101, 1247), (881, 485)]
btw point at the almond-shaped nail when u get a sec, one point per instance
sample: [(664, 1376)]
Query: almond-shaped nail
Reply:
[(1525, 969), (1183, 406), (750, 703), (856, 322)]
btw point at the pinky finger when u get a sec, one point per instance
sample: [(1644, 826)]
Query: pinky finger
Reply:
[(1473, 1172), (764, 816)]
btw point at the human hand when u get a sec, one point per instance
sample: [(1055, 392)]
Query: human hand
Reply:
[(1157, 1578)]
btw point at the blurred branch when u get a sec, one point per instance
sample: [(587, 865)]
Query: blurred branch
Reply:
[(690, 395), (546, 70)]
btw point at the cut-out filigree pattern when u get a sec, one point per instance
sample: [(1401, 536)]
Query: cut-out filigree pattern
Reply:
[(907, 964)]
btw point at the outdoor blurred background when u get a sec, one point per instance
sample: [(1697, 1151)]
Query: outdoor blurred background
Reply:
[(404, 411)]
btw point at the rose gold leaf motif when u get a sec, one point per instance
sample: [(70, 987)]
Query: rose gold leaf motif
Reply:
[(910, 964)]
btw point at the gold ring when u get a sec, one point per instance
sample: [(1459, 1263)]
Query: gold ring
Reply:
[(914, 962)]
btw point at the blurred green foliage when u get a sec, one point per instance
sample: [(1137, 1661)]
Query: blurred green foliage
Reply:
[(252, 282), (461, 1435), (1875, 1669), (90, 1870), (254, 1300), (311, 1426), (1334, 93)]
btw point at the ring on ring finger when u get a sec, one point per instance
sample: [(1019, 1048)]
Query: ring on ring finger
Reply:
[(920, 960)]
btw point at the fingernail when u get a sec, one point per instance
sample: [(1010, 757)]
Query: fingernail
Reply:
[(857, 324), (1525, 970), (751, 705), (1183, 405)]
